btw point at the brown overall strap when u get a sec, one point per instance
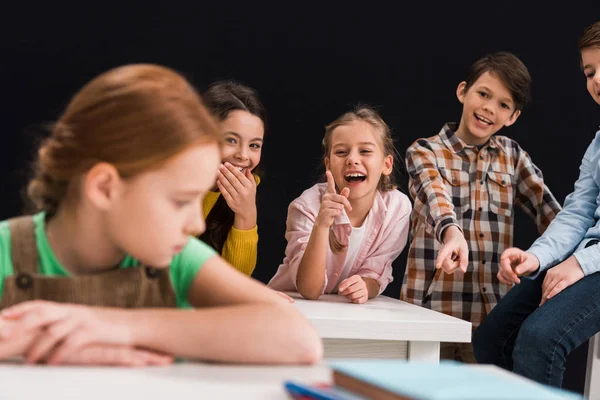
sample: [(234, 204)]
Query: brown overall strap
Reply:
[(23, 245), (134, 287)]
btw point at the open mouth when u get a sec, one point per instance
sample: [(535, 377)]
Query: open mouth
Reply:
[(355, 177), (483, 120)]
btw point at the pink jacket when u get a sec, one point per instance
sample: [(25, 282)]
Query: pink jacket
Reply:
[(385, 236)]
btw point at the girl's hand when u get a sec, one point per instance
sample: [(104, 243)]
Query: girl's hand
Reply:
[(332, 203), (285, 296), (118, 356), (239, 190), (97, 354), (354, 289), (454, 254), (514, 263), (17, 346), (65, 329)]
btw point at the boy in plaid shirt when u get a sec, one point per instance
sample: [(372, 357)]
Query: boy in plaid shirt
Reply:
[(465, 183)]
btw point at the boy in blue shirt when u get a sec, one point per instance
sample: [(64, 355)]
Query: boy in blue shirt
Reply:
[(557, 308)]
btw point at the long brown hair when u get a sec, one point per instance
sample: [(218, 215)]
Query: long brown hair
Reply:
[(222, 98), (135, 117), (369, 115)]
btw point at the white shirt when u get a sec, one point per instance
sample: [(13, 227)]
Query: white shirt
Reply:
[(354, 242)]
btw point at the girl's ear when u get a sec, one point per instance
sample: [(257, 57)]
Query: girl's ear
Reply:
[(102, 184), (326, 159), (388, 165)]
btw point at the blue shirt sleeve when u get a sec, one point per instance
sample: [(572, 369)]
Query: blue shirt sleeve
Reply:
[(570, 226), (589, 259)]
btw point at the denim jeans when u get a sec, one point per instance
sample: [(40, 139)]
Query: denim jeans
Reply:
[(534, 341)]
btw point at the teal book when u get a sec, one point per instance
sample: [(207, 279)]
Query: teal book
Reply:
[(450, 380)]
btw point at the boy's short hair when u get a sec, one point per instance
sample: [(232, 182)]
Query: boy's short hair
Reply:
[(590, 37), (510, 70)]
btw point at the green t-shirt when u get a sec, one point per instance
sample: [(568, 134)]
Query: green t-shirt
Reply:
[(183, 268)]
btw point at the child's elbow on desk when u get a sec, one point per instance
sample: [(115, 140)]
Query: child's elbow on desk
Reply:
[(310, 351), (310, 295), (305, 345), (309, 291)]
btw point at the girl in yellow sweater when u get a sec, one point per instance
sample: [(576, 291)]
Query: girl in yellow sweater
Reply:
[(230, 208)]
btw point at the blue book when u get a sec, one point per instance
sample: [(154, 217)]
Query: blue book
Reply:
[(402, 380), (303, 391)]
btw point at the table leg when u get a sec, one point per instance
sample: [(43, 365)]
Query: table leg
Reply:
[(424, 351), (592, 377)]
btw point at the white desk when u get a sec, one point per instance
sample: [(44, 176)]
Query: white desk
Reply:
[(381, 328), (179, 381)]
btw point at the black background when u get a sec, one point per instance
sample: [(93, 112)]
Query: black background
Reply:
[(309, 63)]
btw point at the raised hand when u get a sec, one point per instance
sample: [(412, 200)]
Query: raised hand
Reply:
[(332, 204)]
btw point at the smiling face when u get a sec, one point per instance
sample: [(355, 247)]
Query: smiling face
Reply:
[(357, 159), (487, 107), (243, 139), (590, 60)]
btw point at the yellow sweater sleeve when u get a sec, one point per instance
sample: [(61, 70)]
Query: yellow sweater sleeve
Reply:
[(241, 247)]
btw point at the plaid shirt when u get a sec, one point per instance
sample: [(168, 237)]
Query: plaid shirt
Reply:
[(476, 189)]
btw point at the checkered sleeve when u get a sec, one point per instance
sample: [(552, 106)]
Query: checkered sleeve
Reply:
[(533, 196), (426, 185)]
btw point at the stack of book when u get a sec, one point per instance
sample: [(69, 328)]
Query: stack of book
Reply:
[(402, 380)]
